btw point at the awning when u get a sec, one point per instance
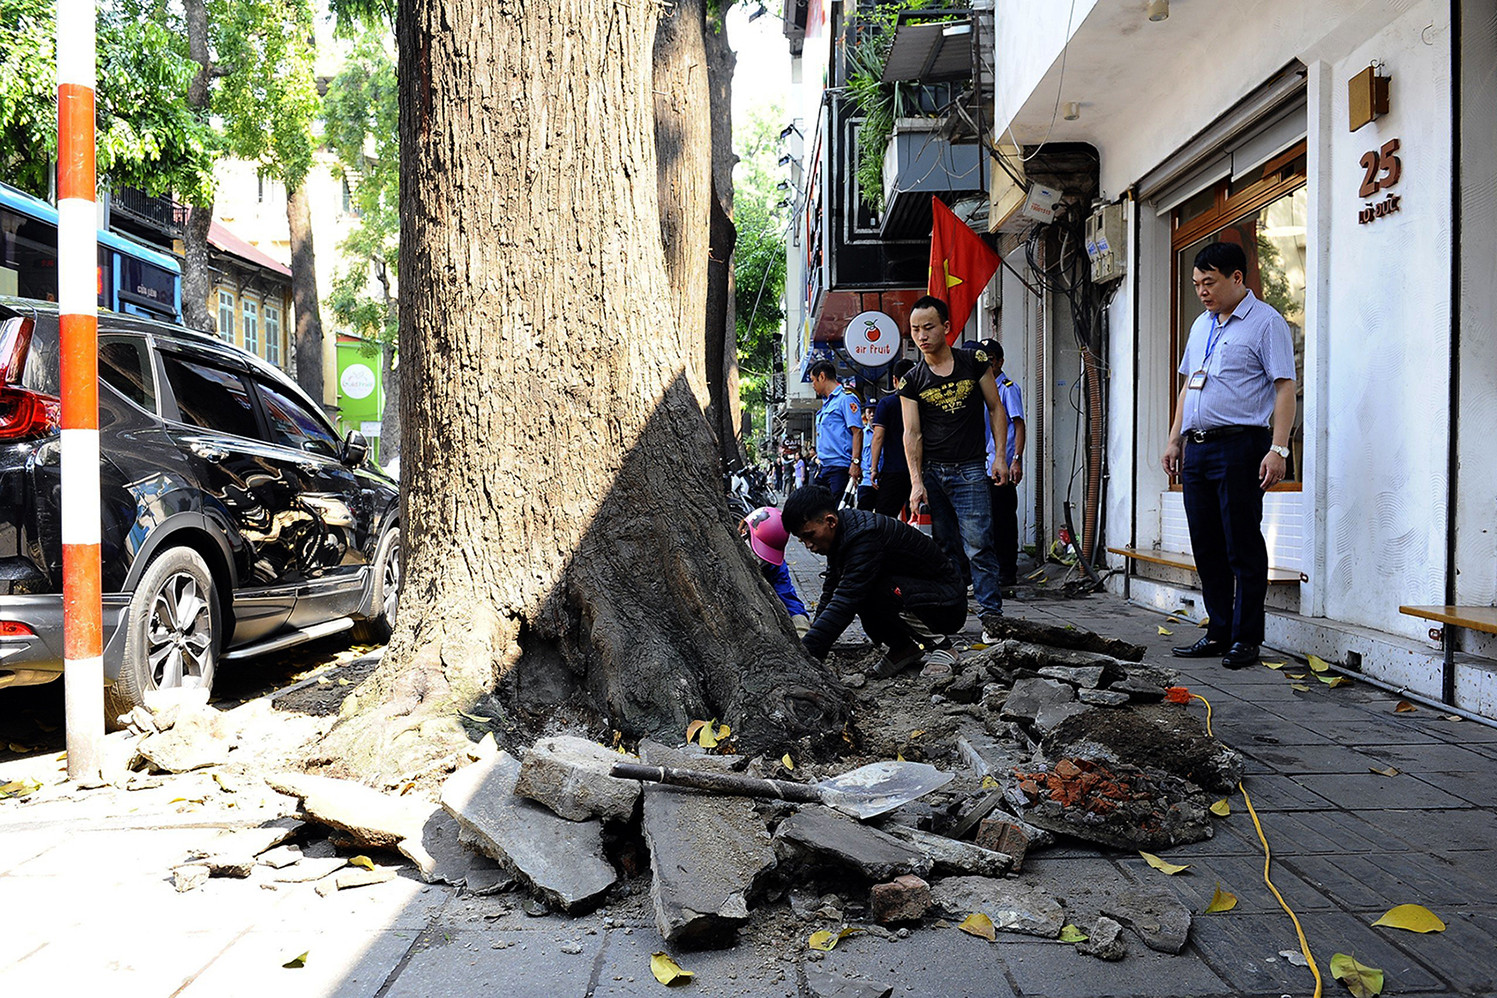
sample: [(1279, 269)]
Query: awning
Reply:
[(930, 52)]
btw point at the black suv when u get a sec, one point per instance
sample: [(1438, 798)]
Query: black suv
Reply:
[(234, 520)]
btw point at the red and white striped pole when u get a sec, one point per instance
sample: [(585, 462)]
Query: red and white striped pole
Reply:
[(77, 296)]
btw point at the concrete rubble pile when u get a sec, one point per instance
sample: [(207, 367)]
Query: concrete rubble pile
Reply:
[(1067, 734)]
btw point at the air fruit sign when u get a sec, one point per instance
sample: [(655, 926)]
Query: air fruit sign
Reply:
[(871, 339)]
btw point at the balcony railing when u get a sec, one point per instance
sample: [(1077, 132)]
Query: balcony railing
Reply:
[(161, 213)]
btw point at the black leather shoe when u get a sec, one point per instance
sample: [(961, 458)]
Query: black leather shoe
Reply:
[(1240, 656), (1204, 648)]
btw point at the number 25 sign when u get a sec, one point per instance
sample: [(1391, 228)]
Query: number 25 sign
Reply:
[(1383, 170)]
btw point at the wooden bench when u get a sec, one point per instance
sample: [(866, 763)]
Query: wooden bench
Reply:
[(1181, 560), (1472, 618)]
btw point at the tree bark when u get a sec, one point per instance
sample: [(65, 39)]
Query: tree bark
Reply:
[(569, 556), (683, 149), (389, 440), (304, 293), (722, 329), (197, 277)]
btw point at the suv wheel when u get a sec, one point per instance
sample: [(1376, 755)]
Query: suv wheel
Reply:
[(376, 628), (172, 641)]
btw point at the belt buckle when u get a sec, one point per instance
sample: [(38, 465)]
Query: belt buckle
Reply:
[(1199, 436)]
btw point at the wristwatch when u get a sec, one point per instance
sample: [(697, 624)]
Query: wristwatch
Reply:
[(1281, 451)]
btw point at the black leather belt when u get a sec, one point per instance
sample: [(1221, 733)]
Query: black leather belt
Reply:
[(1201, 436)]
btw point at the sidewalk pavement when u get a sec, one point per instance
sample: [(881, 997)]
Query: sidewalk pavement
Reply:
[(86, 899)]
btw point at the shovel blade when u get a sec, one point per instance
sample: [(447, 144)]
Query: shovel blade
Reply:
[(869, 791)]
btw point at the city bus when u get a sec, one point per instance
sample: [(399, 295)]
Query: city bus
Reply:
[(132, 277)]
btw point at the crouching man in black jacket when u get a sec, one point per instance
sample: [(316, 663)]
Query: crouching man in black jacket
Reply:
[(887, 573)]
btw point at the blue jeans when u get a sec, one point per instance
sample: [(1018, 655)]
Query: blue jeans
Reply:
[(961, 521)]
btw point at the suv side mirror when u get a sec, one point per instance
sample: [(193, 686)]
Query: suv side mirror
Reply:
[(355, 448)]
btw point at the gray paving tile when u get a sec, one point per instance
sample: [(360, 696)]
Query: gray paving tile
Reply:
[(1466, 952), (1239, 875), (1477, 788), (1371, 732), (1307, 832), (1463, 732), (1439, 757), (1369, 791), (1272, 792), (1244, 949), (1377, 882), (1056, 970), (1465, 829), (462, 963), (1293, 760)]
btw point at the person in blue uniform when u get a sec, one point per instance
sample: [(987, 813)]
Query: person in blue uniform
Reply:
[(1229, 443), (1006, 496), (839, 431), (868, 486)]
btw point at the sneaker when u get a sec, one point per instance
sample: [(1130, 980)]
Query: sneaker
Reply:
[(992, 627)]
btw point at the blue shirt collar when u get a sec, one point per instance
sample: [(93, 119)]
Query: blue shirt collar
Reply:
[(1243, 307)]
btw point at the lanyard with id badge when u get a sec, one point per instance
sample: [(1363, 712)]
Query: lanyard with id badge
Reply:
[(1198, 379)]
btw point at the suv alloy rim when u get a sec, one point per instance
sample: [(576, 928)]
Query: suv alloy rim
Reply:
[(179, 634), (392, 582)]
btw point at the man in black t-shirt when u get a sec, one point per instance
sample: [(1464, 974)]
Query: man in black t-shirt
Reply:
[(945, 399)]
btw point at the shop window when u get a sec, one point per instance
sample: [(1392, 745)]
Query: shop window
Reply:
[(252, 327), (226, 316), (1265, 211), (273, 334)]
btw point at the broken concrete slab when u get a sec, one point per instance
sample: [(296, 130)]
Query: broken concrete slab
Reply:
[(1052, 715), (1030, 696), (1103, 698), (819, 833), (443, 858), (190, 877), (280, 857), (966, 688), (367, 816), (1104, 941), (903, 899), (1138, 690), (1013, 906), (562, 860), (1084, 676), (198, 740), (1067, 637), (241, 846), (309, 868), (570, 776), (1151, 736), (825, 983), (708, 854), (948, 855), (1160, 920), (1154, 675), (1116, 805)]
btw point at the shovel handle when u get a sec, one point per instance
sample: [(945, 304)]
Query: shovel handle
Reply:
[(721, 783)]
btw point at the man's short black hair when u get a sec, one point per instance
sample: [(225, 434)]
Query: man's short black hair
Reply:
[(931, 301), (902, 367), (804, 505), (1225, 258), (825, 368)]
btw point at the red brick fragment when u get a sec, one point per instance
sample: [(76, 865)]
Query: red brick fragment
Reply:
[(903, 899)]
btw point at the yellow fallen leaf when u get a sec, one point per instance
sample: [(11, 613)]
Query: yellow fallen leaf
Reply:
[(1360, 980), (19, 788), (1317, 664), (1334, 681), (917, 732), (1390, 771), (693, 728), (296, 962), (1295, 675), (827, 941), (363, 861), (1165, 630), (979, 925), (1174, 620), (899, 757), (1454, 717), (1403, 707), (977, 646), (1071, 934), (342, 681), (475, 718), (1221, 901), (18, 748), (786, 761), (1221, 808), (1274, 665), (668, 971), (1163, 866), (723, 731), (1299, 686), (1413, 918), (988, 783), (1205, 622), (707, 736), (324, 681)]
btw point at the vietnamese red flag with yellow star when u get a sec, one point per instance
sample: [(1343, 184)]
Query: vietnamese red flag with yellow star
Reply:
[(961, 265)]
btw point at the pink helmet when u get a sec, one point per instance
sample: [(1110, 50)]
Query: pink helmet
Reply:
[(767, 535)]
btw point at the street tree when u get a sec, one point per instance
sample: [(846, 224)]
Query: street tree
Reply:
[(361, 116), (568, 552)]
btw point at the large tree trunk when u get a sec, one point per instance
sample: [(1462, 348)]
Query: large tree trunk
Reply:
[(722, 324), (569, 558), (308, 344), (683, 148), (390, 426), (197, 277)]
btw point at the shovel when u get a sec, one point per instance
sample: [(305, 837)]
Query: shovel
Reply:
[(864, 793)]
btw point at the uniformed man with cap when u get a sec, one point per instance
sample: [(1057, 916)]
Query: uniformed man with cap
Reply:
[(1006, 496), (839, 431)]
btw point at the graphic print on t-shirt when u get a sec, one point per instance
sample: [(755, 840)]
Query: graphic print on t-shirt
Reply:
[(949, 397)]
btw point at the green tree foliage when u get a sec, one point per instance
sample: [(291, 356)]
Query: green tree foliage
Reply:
[(759, 258), (267, 98), (360, 112), (147, 136)]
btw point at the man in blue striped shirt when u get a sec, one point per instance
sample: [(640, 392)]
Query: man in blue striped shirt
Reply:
[(1228, 443)]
